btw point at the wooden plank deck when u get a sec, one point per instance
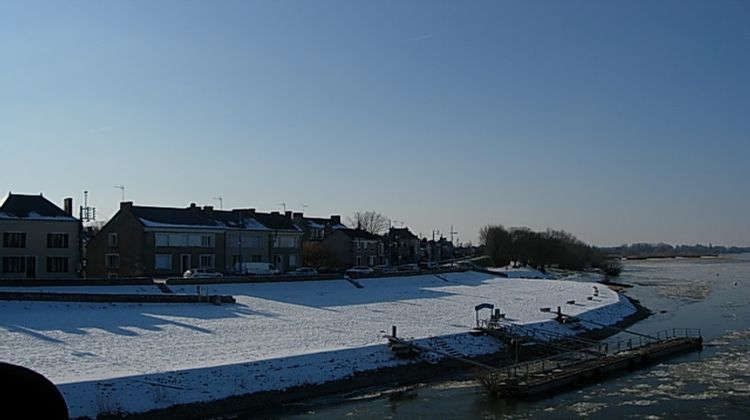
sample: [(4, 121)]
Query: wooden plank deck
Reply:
[(502, 382)]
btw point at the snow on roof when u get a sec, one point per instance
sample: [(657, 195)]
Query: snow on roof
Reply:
[(321, 222), (311, 223), (254, 224), (276, 336), (152, 224), (32, 207)]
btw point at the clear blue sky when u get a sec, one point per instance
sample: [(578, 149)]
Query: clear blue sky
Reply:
[(619, 121)]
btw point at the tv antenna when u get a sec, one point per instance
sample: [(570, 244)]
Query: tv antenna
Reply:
[(283, 205), (122, 191), (221, 202)]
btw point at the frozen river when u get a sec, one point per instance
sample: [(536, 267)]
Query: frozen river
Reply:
[(712, 294)]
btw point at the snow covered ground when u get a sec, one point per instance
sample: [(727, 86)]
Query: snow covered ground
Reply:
[(137, 357)]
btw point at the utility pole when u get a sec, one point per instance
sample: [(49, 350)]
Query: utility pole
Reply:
[(241, 227), (122, 191), (86, 213), (434, 245), (453, 257), (221, 202)]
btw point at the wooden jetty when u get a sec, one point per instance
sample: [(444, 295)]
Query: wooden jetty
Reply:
[(573, 359), (568, 360), (540, 376)]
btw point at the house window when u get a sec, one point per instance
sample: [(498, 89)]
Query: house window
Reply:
[(14, 264), (112, 240), (178, 240), (207, 261), (184, 240), (57, 264), (161, 239), (163, 261), (14, 240), (57, 240), (253, 242), (293, 260), (285, 242), (256, 258), (359, 260), (235, 260), (207, 241), (371, 260), (359, 246), (112, 260)]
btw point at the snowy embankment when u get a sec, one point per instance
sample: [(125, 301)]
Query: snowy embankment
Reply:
[(108, 358)]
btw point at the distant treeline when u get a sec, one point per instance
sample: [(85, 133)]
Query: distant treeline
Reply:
[(523, 246), (662, 250)]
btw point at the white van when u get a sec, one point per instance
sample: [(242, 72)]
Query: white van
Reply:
[(258, 268)]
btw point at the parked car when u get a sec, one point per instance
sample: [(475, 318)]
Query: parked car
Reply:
[(408, 267), (201, 273), (384, 269), (360, 269), (303, 271), (428, 265), (258, 268)]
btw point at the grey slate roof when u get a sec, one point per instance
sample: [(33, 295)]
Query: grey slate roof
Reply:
[(196, 217), (320, 222), (276, 221), (32, 207), (403, 233), (174, 216), (359, 234)]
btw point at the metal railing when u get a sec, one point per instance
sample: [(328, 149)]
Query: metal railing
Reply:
[(596, 351)]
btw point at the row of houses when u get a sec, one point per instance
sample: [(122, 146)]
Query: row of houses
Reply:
[(41, 240)]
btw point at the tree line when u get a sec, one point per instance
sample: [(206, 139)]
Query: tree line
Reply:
[(664, 250), (525, 247)]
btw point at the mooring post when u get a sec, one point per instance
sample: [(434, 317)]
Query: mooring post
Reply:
[(393, 331)]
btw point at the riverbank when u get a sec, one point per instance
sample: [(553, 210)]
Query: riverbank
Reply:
[(278, 339), (375, 381), (712, 383)]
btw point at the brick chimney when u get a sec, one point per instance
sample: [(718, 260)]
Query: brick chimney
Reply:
[(335, 219), (126, 205), (288, 214), (208, 211), (68, 205)]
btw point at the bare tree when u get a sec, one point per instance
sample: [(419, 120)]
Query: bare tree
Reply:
[(370, 221)]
